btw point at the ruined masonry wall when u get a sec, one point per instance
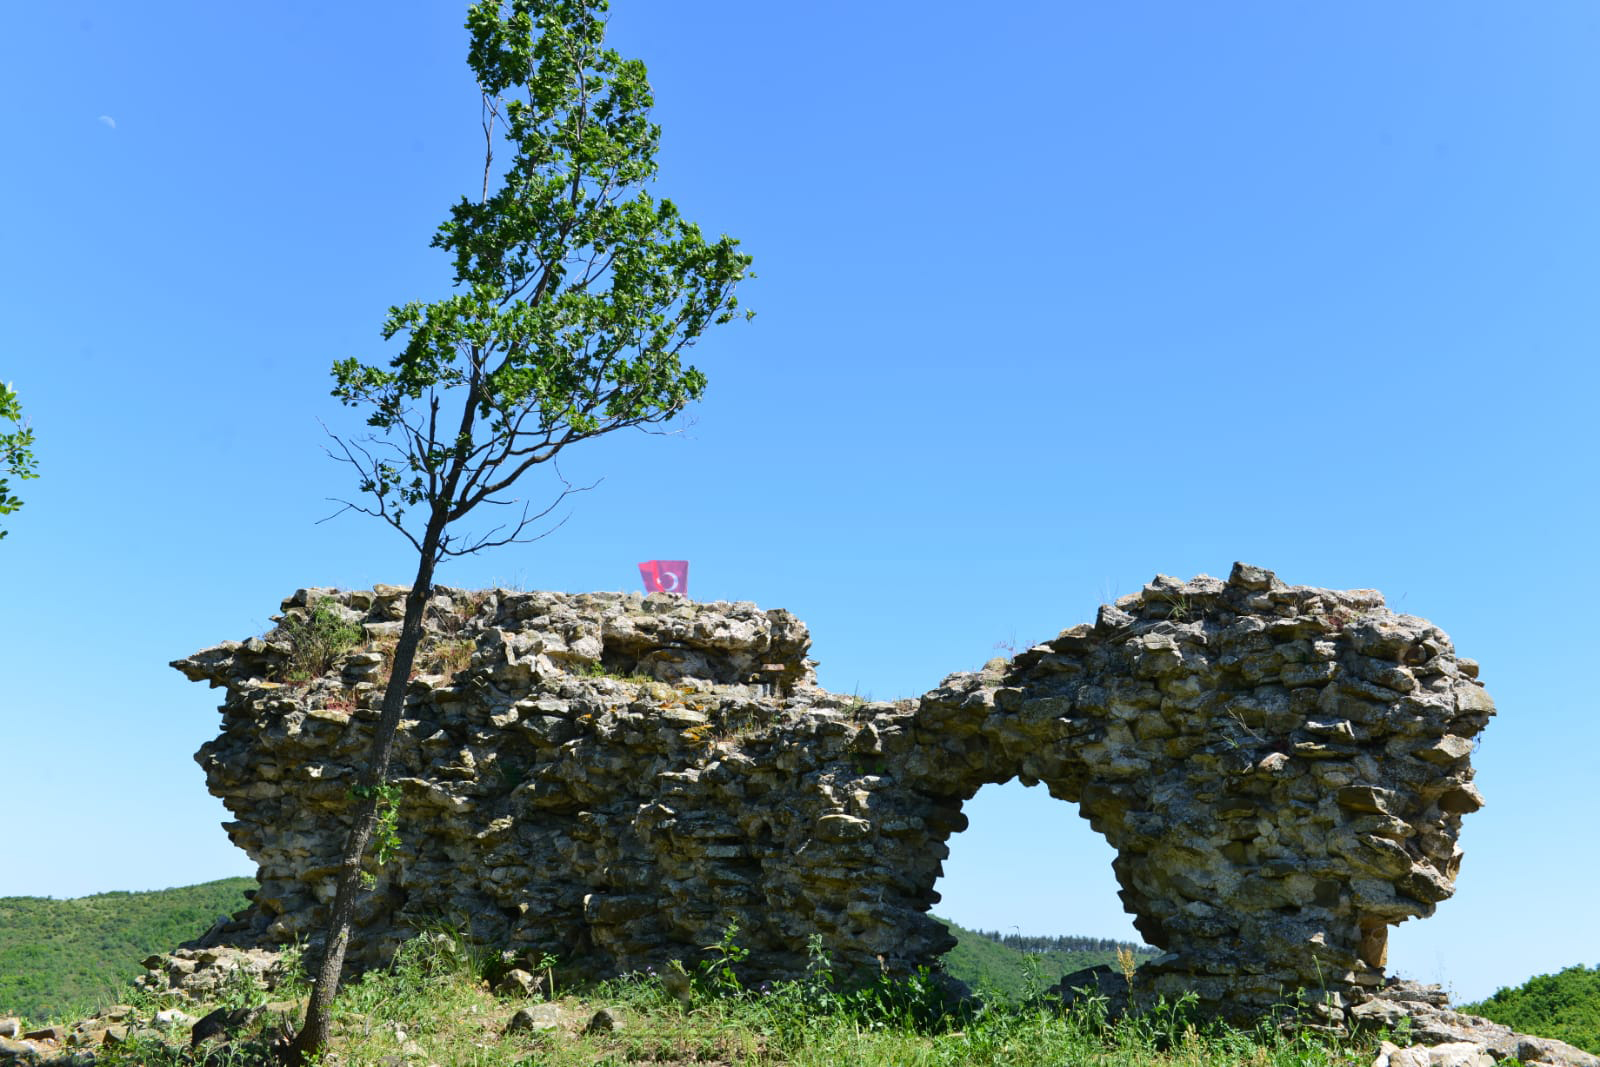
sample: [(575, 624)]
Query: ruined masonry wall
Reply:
[(612, 778)]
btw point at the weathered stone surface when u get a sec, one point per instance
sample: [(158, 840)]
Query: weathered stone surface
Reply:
[(1447, 1038), (603, 1021), (224, 1022), (13, 1050), (201, 973), (172, 1019), (537, 1018), (612, 779), (518, 982)]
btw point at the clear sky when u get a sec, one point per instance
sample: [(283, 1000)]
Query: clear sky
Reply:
[(1052, 296)]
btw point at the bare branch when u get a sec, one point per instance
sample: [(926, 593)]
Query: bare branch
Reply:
[(368, 472), (491, 111), (676, 431), (379, 513), (517, 536)]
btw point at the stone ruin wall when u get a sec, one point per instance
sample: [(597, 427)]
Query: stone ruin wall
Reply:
[(613, 778)]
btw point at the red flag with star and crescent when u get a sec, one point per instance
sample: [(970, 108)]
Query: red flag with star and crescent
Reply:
[(665, 576)]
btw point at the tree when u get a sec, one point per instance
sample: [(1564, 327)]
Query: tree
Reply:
[(16, 450), (576, 297)]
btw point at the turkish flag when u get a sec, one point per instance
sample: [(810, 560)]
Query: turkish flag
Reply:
[(665, 576)]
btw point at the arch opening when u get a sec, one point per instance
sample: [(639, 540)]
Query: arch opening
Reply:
[(1030, 863), (1030, 873)]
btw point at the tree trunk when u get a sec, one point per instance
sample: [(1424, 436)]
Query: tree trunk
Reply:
[(313, 1035)]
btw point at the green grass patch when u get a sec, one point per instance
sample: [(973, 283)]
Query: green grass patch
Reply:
[(432, 1006)]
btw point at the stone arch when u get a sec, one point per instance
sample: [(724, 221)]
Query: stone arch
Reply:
[(1281, 771)]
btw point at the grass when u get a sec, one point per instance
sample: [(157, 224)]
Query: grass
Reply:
[(447, 657), (318, 639), (434, 1006)]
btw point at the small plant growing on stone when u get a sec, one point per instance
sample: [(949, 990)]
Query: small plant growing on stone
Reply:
[(449, 657), (1179, 608), (450, 623), (318, 640), (1011, 646), (349, 699)]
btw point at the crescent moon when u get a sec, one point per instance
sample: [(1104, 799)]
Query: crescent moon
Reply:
[(669, 581)]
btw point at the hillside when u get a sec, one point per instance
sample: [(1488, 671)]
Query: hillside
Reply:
[(57, 956), (999, 963), (1565, 1005)]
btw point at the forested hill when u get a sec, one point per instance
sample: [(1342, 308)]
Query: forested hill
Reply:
[(1014, 965), (59, 956), (1564, 1005)]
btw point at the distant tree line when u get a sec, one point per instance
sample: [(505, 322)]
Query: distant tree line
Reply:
[(1042, 945)]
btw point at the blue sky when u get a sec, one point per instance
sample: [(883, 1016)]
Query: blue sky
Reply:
[(1052, 297)]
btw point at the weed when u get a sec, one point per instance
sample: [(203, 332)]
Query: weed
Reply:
[(318, 639), (292, 982), (1011, 646), (349, 699), (1127, 964), (240, 989), (547, 964), (1179, 607), (719, 971), (448, 657), (1032, 977), (856, 704), (818, 984)]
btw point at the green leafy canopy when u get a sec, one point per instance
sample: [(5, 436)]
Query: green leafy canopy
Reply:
[(16, 450), (577, 293)]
